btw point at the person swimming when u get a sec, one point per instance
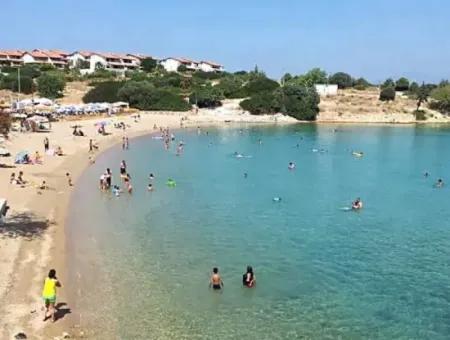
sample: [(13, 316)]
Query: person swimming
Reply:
[(248, 279), (357, 204), (245, 175), (216, 282), (151, 177), (238, 155), (439, 183), (291, 166), (150, 187), (276, 199), (426, 174), (357, 153)]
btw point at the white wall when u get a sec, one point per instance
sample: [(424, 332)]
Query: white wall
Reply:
[(326, 89), (27, 58), (170, 65), (206, 67), (73, 59), (94, 60)]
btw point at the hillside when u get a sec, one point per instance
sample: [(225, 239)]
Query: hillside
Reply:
[(365, 107)]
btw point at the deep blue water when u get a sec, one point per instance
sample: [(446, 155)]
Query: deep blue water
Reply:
[(322, 272)]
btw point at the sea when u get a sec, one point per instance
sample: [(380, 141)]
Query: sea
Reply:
[(139, 264)]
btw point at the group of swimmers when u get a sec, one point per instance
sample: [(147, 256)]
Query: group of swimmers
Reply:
[(248, 279)]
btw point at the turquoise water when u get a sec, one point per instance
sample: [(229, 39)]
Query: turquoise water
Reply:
[(142, 262)]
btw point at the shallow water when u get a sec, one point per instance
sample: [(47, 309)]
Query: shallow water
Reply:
[(141, 263)]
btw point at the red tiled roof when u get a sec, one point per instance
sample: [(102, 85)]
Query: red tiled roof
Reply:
[(14, 53), (139, 56), (183, 60), (38, 54), (211, 63)]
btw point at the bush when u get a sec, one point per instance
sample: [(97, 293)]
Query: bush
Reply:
[(402, 84), (260, 103), (387, 94), (300, 102), (232, 87), (441, 96), (11, 82), (51, 84), (310, 78), (420, 115), (260, 84), (388, 83), (361, 84), (182, 68), (136, 75), (206, 96), (144, 96), (207, 75), (101, 73), (343, 80), (148, 64), (106, 91)]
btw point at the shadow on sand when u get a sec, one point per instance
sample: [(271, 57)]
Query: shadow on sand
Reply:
[(24, 224), (61, 310)]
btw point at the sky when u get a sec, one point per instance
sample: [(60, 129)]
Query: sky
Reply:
[(375, 39)]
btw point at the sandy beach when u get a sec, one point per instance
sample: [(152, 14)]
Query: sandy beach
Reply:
[(32, 238)]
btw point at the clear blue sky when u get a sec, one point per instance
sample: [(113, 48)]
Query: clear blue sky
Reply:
[(373, 38)]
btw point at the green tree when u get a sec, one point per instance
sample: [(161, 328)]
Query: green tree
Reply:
[(106, 91), (413, 88), (312, 77), (300, 102), (51, 84), (206, 96), (260, 103), (421, 96), (441, 99), (361, 84), (148, 64), (232, 87), (343, 80), (388, 83), (285, 78), (11, 82), (402, 84), (387, 94), (144, 96), (182, 68), (259, 84)]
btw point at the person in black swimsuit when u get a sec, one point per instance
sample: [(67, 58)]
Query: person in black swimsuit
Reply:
[(216, 281)]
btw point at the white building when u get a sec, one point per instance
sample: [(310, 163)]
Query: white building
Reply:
[(11, 57), (209, 66), (325, 90), (52, 57), (108, 61), (172, 64)]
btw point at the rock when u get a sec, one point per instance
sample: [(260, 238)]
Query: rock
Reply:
[(20, 335), (66, 335)]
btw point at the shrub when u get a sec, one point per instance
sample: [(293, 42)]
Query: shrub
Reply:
[(106, 91), (136, 75), (144, 96), (361, 84), (300, 102), (343, 80), (148, 64), (312, 77), (402, 84), (387, 94), (101, 73), (420, 115), (51, 84), (232, 87), (182, 68), (441, 96), (11, 82), (260, 103), (207, 75), (206, 96), (260, 84), (388, 83)]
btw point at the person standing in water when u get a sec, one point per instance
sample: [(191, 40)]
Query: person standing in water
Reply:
[(49, 294), (248, 279), (216, 282), (46, 144)]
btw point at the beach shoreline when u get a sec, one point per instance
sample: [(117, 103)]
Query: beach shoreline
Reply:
[(27, 256)]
